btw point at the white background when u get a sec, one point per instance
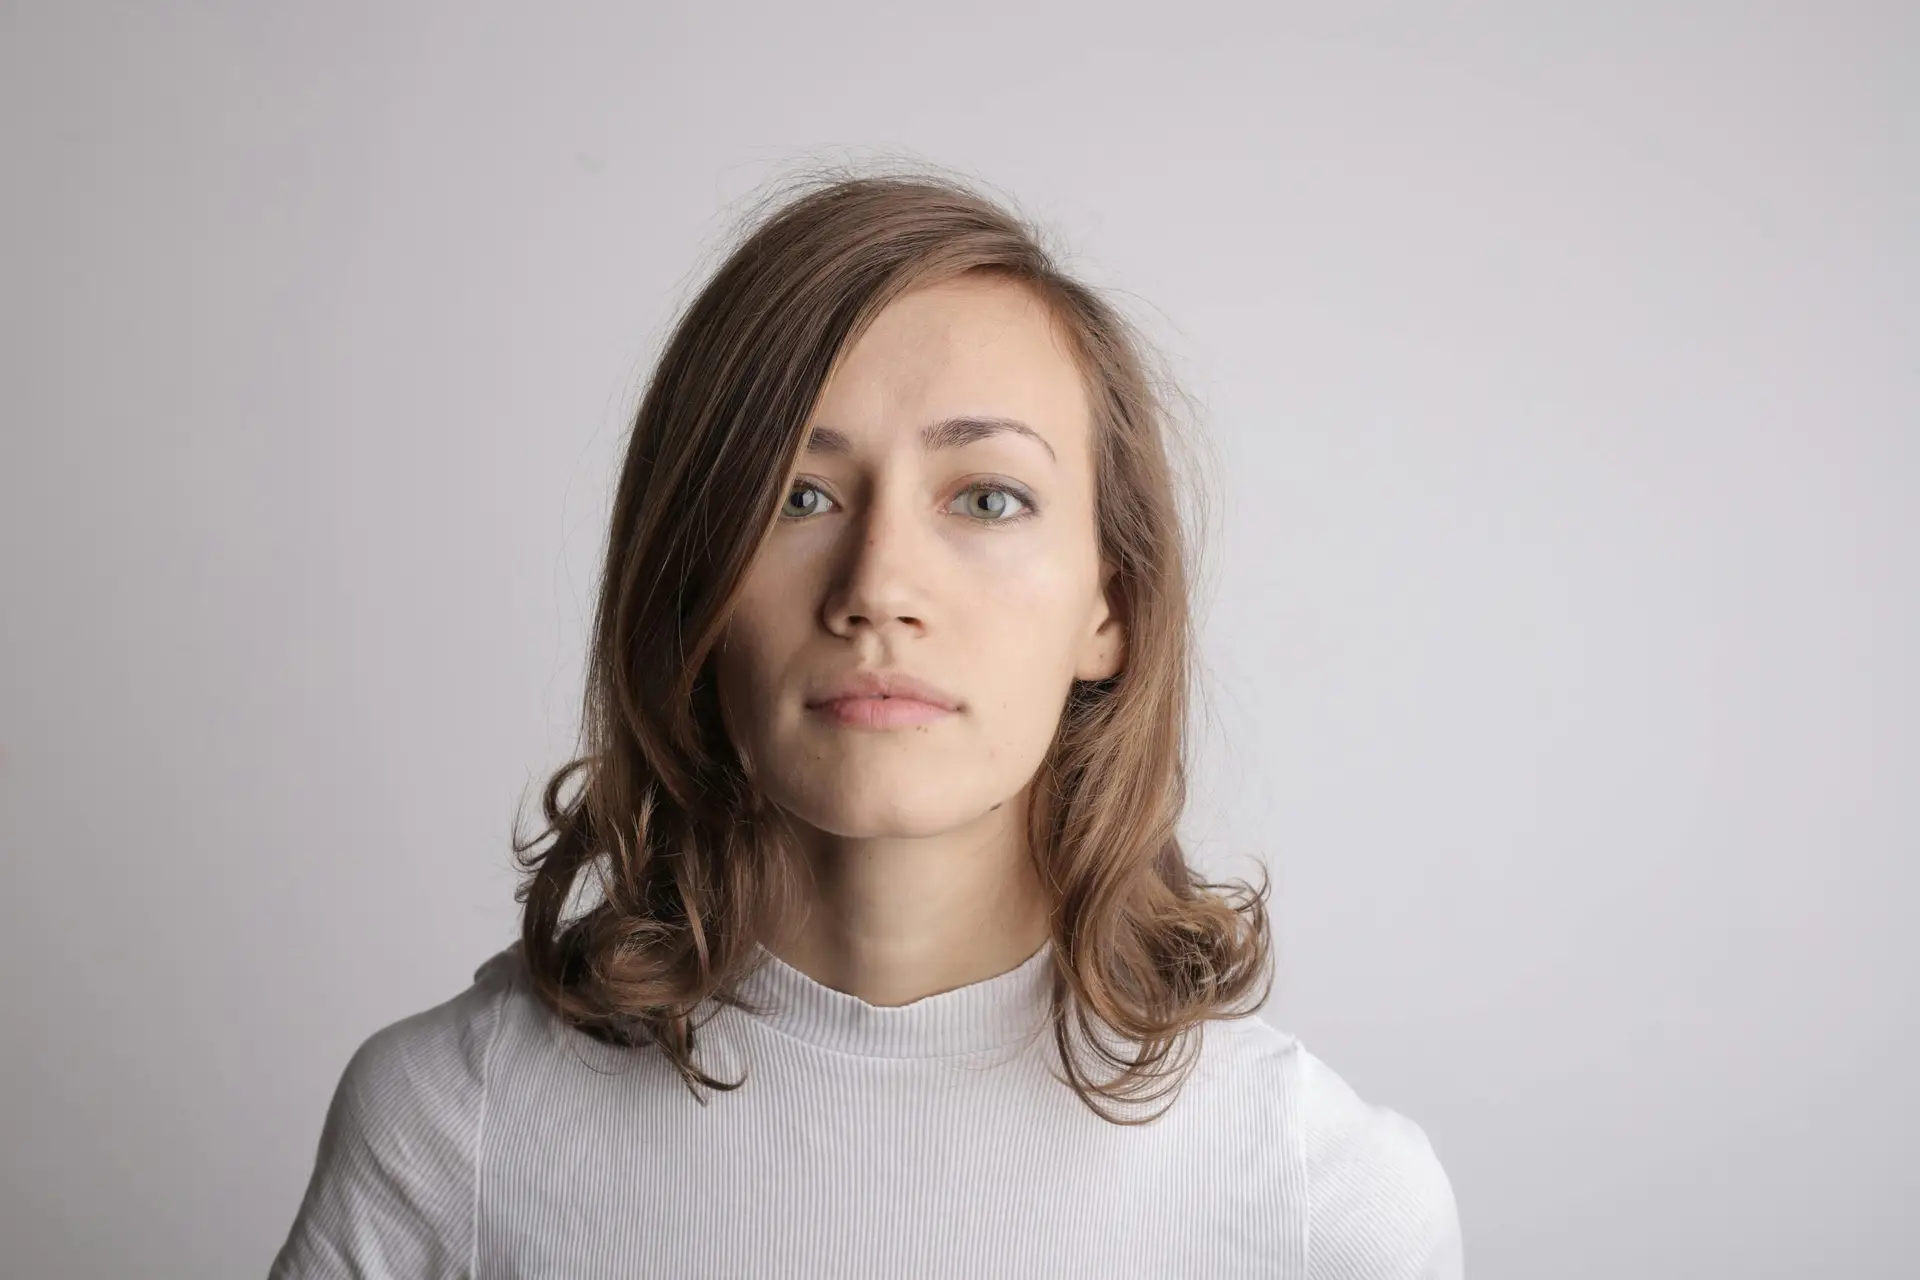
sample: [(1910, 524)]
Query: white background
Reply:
[(1560, 365)]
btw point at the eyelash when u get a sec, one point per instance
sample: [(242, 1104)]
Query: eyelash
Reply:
[(1026, 500)]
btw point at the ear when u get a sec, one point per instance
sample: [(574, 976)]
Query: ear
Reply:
[(1104, 650)]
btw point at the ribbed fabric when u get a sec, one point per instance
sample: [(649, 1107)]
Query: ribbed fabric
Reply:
[(484, 1139)]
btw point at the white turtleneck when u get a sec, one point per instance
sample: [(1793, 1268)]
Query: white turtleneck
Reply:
[(484, 1139)]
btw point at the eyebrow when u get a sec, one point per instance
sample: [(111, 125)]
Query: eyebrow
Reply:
[(947, 433)]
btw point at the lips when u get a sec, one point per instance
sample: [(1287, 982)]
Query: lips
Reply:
[(884, 684)]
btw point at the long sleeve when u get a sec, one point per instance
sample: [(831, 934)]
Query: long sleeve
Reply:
[(1379, 1204), (392, 1189)]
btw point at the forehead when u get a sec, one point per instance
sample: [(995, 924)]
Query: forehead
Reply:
[(972, 345)]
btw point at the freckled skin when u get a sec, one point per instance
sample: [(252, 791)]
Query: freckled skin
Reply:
[(893, 556)]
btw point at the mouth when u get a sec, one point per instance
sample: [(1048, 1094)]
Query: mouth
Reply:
[(880, 712), (884, 685)]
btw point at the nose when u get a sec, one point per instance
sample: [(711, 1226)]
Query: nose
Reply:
[(884, 575)]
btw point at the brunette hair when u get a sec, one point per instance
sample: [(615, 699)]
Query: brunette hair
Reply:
[(689, 857)]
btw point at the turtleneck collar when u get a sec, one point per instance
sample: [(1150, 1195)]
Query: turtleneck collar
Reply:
[(982, 1015)]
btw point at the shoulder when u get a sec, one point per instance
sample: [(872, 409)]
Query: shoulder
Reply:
[(393, 1178), (436, 1057), (427, 1071), (1379, 1204)]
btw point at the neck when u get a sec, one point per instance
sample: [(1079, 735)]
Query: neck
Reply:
[(895, 919)]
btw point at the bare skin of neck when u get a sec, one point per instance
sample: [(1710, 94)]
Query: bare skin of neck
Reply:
[(893, 920)]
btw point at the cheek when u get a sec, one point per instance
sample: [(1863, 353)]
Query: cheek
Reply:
[(1022, 647), (1039, 594), (740, 664), (774, 610), (766, 615)]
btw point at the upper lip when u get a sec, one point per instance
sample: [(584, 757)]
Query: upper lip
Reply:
[(883, 684)]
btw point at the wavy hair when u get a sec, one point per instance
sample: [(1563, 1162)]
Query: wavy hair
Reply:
[(689, 859)]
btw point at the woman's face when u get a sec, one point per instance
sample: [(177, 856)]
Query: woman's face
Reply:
[(966, 558)]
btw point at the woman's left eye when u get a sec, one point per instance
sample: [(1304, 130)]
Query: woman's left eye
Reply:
[(998, 499)]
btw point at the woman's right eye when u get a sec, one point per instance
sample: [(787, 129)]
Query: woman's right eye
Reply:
[(807, 508)]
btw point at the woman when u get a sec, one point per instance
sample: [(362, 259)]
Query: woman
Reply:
[(888, 940)]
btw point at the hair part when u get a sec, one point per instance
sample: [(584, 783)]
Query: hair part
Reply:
[(690, 859)]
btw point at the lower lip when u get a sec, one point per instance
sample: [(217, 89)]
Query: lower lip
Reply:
[(881, 713)]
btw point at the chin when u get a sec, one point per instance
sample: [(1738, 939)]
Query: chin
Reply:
[(890, 827), (886, 808)]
